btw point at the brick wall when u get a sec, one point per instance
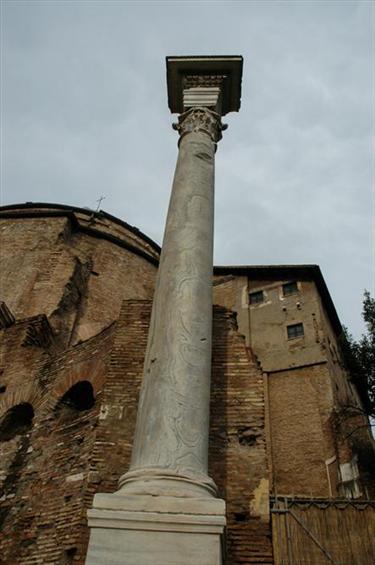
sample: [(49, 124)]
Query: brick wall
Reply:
[(237, 456), (51, 472), (46, 471), (313, 408), (78, 280), (30, 250), (82, 307), (302, 437)]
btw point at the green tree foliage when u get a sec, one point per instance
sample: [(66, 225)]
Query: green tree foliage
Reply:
[(359, 356)]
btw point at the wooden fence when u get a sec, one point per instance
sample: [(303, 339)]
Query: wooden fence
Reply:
[(320, 532)]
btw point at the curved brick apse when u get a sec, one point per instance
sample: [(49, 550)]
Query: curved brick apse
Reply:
[(76, 292)]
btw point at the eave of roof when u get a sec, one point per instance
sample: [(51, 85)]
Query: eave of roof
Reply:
[(99, 215)]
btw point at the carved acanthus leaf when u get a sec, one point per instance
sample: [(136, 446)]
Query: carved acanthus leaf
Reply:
[(200, 120)]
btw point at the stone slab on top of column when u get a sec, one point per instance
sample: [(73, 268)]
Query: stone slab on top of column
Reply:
[(210, 82)]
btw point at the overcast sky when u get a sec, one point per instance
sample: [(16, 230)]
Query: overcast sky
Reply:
[(84, 113)]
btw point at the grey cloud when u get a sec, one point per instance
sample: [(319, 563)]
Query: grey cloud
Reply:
[(85, 114)]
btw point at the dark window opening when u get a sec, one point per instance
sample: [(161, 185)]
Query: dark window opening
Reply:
[(241, 516), (3, 388), (256, 297), (68, 556), (79, 397), (246, 436), (18, 420), (290, 288), (295, 330)]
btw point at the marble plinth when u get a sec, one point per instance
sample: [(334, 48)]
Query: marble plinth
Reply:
[(155, 530)]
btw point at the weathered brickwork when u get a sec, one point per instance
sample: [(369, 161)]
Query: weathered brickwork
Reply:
[(225, 291), (114, 437), (30, 251), (46, 469), (78, 288), (301, 404), (79, 279), (116, 275), (319, 434), (238, 461), (52, 471)]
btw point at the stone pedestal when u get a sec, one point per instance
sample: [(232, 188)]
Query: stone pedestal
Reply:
[(148, 530)]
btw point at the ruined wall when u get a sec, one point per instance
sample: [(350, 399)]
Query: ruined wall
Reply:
[(64, 277), (30, 252), (116, 275), (52, 469), (65, 286), (318, 446), (80, 287), (237, 457), (73, 273), (46, 463)]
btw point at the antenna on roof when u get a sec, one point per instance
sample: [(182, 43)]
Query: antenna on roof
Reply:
[(99, 201)]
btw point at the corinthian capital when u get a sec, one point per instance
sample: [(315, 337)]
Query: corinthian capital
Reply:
[(200, 120)]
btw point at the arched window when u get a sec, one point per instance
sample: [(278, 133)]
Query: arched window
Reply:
[(78, 398), (18, 420)]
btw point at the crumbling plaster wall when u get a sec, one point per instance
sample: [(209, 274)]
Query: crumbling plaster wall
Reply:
[(265, 325)]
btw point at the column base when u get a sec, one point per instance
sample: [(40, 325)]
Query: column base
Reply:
[(166, 482), (155, 530)]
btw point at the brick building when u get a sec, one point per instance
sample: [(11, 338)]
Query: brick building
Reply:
[(290, 449)]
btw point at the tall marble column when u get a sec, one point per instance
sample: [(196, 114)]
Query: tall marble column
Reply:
[(167, 494), (171, 441)]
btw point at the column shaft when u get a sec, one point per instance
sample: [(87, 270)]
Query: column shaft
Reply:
[(171, 439)]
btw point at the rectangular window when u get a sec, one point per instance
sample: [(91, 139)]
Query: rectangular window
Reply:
[(290, 288), (295, 330), (256, 297)]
